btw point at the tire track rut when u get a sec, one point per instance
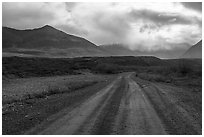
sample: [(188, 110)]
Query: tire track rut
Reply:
[(79, 118), (138, 116)]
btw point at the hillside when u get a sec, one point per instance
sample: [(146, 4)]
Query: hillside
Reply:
[(46, 41), (194, 52)]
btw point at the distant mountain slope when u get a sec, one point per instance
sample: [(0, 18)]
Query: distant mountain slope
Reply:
[(194, 52), (47, 41), (118, 50)]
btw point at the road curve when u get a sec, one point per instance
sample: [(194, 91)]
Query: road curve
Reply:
[(119, 108)]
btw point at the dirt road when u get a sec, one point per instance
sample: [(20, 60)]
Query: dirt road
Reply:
[(122, 107)]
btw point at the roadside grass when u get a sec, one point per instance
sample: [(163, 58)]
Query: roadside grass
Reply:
[(16, 90), (181, 75), (19, 117), (51, 90), (28, 77)]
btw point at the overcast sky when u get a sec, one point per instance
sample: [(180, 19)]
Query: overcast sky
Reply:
[(143, 26)]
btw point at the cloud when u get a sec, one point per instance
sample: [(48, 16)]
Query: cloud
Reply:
[(29, 15), (159, 18), (70, 5), (193, 5), (162, 18), (71, 29), (25, 15), (143, 26)]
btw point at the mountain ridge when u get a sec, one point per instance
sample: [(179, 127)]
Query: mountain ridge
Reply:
[(47, 39), (194, 51)]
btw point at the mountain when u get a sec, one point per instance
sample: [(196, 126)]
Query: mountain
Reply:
[(50, 42), (194, 52), (118, 50), (46, 41)]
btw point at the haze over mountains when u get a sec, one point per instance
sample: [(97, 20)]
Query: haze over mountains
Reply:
[(118, 50), (50, 42)]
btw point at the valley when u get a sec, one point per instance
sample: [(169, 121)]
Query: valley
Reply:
[(107, 68)]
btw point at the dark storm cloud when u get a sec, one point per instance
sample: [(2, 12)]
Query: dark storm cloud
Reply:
[(193, 5)]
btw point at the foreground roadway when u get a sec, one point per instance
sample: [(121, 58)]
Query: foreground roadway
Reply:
[(122, 107)]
